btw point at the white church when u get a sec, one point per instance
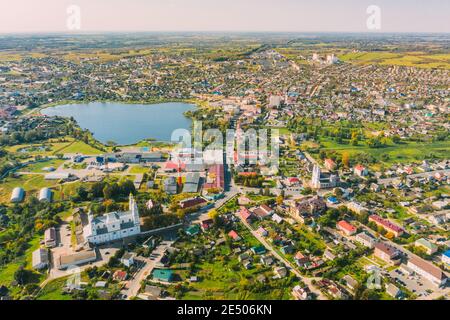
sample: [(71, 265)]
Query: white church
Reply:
[(113, 225)]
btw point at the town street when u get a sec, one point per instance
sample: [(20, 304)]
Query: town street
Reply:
[(134, 285)]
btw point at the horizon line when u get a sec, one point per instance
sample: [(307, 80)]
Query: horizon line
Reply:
[(78, 32)]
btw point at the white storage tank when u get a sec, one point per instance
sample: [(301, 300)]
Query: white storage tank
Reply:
[(17, 195), (45, 195)]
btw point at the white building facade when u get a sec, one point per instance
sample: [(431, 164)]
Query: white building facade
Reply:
[(113, 226)]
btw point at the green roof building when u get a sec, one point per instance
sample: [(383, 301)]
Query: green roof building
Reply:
[(259, 250), (165, 275), (193, 230)]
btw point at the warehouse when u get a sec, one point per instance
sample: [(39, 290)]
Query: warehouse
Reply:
[(45, 195), (57, 176), (76, 259), (17, 195)]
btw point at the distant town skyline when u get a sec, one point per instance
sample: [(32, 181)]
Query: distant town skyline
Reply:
[(23, 16)]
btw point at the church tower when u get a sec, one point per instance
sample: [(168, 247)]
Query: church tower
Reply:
[(134, 210), (315, 182)]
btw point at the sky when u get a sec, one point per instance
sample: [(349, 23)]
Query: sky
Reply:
[(24, 16)]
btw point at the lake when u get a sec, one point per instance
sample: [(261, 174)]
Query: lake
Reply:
[(126, 123)]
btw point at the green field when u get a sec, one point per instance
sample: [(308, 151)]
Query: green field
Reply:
[(7, 272), (30, 183), (80, 147), (398, 153), (408, 59), (53, 147)]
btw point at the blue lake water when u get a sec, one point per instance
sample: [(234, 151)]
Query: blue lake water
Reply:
[(126, 123)]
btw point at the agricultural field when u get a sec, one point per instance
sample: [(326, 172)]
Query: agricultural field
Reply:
[(408, 59)]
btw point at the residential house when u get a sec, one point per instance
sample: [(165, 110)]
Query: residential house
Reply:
[(259, 250), (128, 259), (266, 260), (120, 275), (365, 239), (306, 208), (429, 247), (446, 257), (387, 225), (40, 259), (360, 170), (328, 255), (351, 283), (277, 218), (330, 164), (263, 232), (263, 212), (387, 253), (206, 224), (234, 235), (300, 293), (193, 230), (163, 275), (393, 291), (246, 215), (346, 227), (280, 272), (301, 260)]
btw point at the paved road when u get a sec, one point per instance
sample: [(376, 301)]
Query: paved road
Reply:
[(307, 281)]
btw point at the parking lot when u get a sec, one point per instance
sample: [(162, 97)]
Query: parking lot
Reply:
[(415, 283)]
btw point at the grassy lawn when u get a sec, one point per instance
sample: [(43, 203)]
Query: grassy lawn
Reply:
[(53, 146), (52, 291), (7, 272), (407, 152), (30, 183), (80, 147), (138, 170), (44, 149), (37, 167)]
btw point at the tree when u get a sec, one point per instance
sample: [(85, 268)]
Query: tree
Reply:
[(346, 160), (22, 276), (280, 200), (213, 214)]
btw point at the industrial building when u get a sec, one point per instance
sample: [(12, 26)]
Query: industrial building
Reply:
[(45, 195), (17, 195)]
